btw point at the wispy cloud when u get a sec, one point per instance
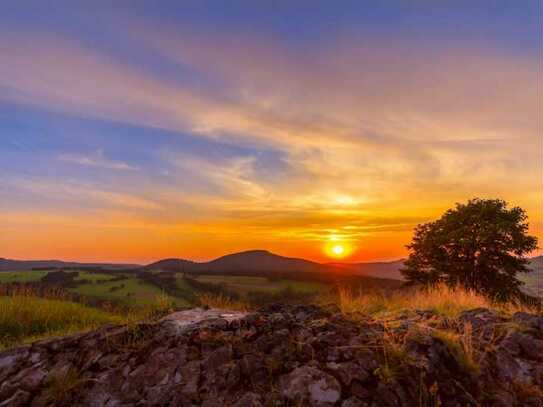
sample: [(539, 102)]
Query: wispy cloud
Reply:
[(375, 135), (79, 194), (96, 160)]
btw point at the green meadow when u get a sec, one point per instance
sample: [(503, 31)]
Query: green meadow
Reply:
[(134, 291), (245, 284), (131, 291), (21, 276), (24, 318)]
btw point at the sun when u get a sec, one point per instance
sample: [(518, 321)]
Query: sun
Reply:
[(336, 248)]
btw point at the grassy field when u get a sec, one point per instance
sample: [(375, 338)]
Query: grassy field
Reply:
[(21, 276), (243, 284), (24, 318), (94, 277), (32, 276), (131, 292), (134, 291)]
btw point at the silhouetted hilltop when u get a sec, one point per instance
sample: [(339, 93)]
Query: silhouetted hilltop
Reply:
[(265, 261), (248, 261), (174, 265)]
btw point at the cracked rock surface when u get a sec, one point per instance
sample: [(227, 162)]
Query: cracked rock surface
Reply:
[(284, 355)]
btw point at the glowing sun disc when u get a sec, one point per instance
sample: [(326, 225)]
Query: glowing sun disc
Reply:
[(338, 250)]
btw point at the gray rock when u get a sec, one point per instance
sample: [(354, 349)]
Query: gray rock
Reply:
[(354, 402), (20, 398), (249, 400), (281, 355), (311, 385)]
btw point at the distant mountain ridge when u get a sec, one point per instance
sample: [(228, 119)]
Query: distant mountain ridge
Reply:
[(22, 265), (537, 262), (262, 260), (265, 261), (251, 260)]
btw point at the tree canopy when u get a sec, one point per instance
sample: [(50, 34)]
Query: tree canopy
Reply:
[(481, 246)]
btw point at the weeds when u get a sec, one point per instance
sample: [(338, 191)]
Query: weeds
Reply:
[(394, 356), (59, 388), (222, 302), (461, 347), (442, 300), (26, 318), (23, 318)]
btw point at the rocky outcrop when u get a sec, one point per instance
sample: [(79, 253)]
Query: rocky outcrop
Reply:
[(286, 356)]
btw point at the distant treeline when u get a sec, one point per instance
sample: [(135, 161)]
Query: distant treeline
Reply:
[(319, 277), (211, 288)]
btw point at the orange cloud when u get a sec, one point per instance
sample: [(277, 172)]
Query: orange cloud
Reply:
[(376, 137)]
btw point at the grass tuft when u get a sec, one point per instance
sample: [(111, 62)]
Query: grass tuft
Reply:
[(461, 347), (222, 301), (59, 388), (442, 300)]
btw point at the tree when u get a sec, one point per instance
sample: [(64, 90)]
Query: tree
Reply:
[(480, 246)]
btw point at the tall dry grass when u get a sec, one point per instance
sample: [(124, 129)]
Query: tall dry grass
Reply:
[(441, 299), (24, 318), (222, 301), (27, 315)]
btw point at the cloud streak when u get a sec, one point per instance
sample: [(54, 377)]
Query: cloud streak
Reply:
[(373, 135), (96, 160)]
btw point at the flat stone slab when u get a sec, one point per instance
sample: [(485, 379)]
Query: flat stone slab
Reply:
[(184, 320)]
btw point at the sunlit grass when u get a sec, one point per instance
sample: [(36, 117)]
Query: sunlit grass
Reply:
[(222, 302), (442, 300), (26, 317), (461, 346)]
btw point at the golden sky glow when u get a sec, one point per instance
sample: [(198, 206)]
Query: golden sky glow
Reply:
[(138, 137)]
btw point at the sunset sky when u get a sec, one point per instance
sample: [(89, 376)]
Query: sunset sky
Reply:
[(131, 131)]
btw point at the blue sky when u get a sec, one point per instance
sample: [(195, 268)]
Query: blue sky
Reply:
[(138, 130)]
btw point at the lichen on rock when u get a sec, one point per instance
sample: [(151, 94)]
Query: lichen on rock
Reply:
[(283, 355)]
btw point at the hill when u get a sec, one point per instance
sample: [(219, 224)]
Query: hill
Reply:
[(534, 280), (265, 261), (537, 263), (248, 261), (22, 265), (180, 265)]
